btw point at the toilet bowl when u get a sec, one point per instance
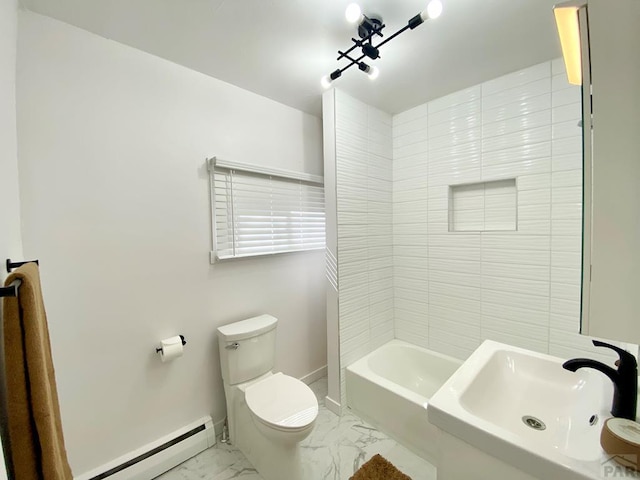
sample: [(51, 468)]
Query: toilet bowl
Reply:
[(269, 414), (283, 408)]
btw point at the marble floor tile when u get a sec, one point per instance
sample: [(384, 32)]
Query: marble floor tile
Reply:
[(336, 448)]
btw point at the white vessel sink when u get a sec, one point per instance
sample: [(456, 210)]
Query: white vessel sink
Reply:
[(499, 399)]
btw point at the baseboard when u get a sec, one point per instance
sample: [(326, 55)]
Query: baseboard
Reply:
[(315, 375), (218, 426), (159, 456), (332, 405)]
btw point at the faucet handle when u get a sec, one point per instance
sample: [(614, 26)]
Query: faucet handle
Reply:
[(627, 360)]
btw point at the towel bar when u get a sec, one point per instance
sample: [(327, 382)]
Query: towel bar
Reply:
[(11, 265), (11, 290)]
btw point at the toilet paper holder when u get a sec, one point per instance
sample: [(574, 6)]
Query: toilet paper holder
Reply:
[(184, 342)]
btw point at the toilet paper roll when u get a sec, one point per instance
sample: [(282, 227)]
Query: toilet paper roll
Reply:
[(171, 348)]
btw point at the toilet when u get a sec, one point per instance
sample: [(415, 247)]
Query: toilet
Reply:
[(269, 414)]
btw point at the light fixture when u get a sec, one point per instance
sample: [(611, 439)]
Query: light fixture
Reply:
[(368, 28), (327, 79), (433, 10), (372, 71), (353, 13), (568, 23)]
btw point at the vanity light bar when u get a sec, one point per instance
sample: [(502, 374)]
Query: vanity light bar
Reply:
[(568, 22)]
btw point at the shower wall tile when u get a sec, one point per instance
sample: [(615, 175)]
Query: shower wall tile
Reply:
[(566, 218), (516, 79), (452, 290), (515, 123), (509, 111), (465, 112), (455, 344), (407, 117), (364, 191), (410, 228), (516, 93), (558, 67), (403, 274), (450, 102), (516, 144)]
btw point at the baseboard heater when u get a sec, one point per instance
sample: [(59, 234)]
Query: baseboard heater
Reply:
[(157, 457)]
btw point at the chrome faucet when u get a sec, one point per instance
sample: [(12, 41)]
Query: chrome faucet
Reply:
[(625, 379)]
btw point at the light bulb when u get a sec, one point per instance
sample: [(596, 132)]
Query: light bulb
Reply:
[(373, 73), (353, 13), (325, 82), (434, 8)]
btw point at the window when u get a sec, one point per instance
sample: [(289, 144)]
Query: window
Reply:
[(259, 211)]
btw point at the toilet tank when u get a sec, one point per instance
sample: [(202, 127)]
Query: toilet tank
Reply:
[(247, 348)]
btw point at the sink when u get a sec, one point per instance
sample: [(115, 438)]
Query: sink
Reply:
[(523, 408), (568, 405)]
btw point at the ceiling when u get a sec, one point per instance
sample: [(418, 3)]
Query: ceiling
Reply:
[(281, 48)]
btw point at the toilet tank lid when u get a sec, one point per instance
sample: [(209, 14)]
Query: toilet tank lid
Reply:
[(247, 328)]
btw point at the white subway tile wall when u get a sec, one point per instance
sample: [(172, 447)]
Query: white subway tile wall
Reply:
[(453, 290), (404, 274), (365, 229)]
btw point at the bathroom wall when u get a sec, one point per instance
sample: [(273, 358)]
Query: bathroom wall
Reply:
[(363, 189), (455, 289), (10, 238), (115, 200)]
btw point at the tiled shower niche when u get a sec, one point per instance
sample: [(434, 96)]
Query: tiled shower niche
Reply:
[(484, 206)]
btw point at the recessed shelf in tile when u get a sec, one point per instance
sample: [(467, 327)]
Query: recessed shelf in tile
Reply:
[(483, 206)]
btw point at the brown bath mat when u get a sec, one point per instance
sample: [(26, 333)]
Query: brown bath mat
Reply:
[(379, 468)]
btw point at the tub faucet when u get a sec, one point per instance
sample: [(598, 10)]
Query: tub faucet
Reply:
[(625, 379)]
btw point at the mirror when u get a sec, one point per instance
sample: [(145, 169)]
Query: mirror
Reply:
[(610, 38)]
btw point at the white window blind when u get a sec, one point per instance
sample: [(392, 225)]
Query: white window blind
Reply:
[(262, 214)]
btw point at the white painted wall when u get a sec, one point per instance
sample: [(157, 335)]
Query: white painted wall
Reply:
[(10, 239), (116, 206), (455, 289), (614, 303)]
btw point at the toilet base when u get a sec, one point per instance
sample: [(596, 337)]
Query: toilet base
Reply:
[(272, 460)]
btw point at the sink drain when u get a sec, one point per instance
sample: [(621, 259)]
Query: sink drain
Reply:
[(533, 422)]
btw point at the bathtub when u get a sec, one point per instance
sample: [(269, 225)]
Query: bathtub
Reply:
[(390, 388)]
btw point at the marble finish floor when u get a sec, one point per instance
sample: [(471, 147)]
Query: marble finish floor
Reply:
[(336, 448)]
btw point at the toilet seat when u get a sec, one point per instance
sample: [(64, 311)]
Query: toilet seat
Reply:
[(282, 402)]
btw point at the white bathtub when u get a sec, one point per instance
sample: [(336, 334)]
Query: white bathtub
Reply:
[(390, 388)]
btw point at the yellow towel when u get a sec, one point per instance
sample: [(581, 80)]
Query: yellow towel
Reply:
[(35, 429)]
